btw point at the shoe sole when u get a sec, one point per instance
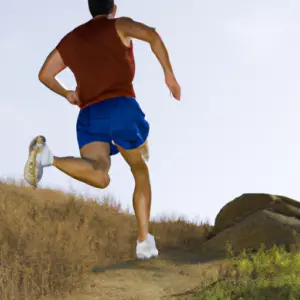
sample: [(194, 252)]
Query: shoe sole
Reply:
[(31, 168), (144, 257)]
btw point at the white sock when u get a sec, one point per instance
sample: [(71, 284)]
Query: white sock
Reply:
[(45, 157)]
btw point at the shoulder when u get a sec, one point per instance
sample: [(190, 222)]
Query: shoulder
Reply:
[(123, 22), (121, 25), (134, 29), (68, 37), (123, 19), (77, 29)]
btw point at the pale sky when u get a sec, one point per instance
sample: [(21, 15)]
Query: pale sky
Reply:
[(236, 130)]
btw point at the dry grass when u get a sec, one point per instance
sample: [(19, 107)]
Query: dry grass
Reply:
[(49, 240)]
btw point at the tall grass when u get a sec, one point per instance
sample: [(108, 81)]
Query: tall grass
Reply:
[(49, 240)]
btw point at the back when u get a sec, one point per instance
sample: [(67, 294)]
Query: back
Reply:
[(102, 65)]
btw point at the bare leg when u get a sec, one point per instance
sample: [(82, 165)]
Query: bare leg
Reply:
[(142, 191), (92, 168)]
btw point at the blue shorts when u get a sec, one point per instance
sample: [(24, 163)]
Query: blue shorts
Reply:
[(118, 119)]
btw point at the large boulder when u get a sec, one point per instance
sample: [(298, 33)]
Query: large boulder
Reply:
[(262, 227), (251, 220), (248, 204)]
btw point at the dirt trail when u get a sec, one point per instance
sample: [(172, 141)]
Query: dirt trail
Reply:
[(162, 278)]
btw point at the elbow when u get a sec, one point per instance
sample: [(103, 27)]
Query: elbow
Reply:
[(153, 37), (41, 76)]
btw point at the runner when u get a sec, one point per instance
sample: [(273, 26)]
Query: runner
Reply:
[(110, 121)]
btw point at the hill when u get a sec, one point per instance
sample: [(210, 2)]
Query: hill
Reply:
[(61, 246), (52, 242)]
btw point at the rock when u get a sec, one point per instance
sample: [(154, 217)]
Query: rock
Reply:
[(248, 204), (262, 227)]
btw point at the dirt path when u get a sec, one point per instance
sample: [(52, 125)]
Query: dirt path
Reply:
[(163, 278)]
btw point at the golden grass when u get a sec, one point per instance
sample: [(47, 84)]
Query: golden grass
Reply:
[(49, 240)]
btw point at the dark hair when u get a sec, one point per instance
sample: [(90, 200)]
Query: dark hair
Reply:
[(101, 7)]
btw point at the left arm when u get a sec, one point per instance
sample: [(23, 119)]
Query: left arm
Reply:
[(50, 69)]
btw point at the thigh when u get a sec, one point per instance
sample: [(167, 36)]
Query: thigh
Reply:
[(135, 157), (98, 152)]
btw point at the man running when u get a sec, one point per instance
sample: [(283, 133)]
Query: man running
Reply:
[(100, 55)]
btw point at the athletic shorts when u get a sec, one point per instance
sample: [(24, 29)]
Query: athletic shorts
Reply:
[(119, 120)]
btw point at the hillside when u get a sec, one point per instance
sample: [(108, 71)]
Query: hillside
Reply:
[(53, 244), (59, 246)]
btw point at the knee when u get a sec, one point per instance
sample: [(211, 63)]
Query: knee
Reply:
[(102, 181)]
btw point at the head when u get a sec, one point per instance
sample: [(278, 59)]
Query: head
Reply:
[(102, 8)]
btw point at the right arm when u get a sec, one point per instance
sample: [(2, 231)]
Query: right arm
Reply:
[(126, 27)]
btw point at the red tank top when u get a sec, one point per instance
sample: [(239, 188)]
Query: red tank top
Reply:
[(102, 65)]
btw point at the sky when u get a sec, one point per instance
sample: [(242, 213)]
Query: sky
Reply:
[(235, 131)]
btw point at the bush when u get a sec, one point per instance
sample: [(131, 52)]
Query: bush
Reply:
[(272, 274)]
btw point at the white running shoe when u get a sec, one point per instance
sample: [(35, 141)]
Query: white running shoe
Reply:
[(39, 157), (146, 249)]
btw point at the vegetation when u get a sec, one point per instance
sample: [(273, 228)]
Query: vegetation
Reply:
[(273, 274), (49, 240)]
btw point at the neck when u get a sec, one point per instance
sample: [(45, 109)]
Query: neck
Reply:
[(101, 16)]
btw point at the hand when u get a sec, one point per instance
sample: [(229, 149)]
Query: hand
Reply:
[(173, 85), (73, 97)]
